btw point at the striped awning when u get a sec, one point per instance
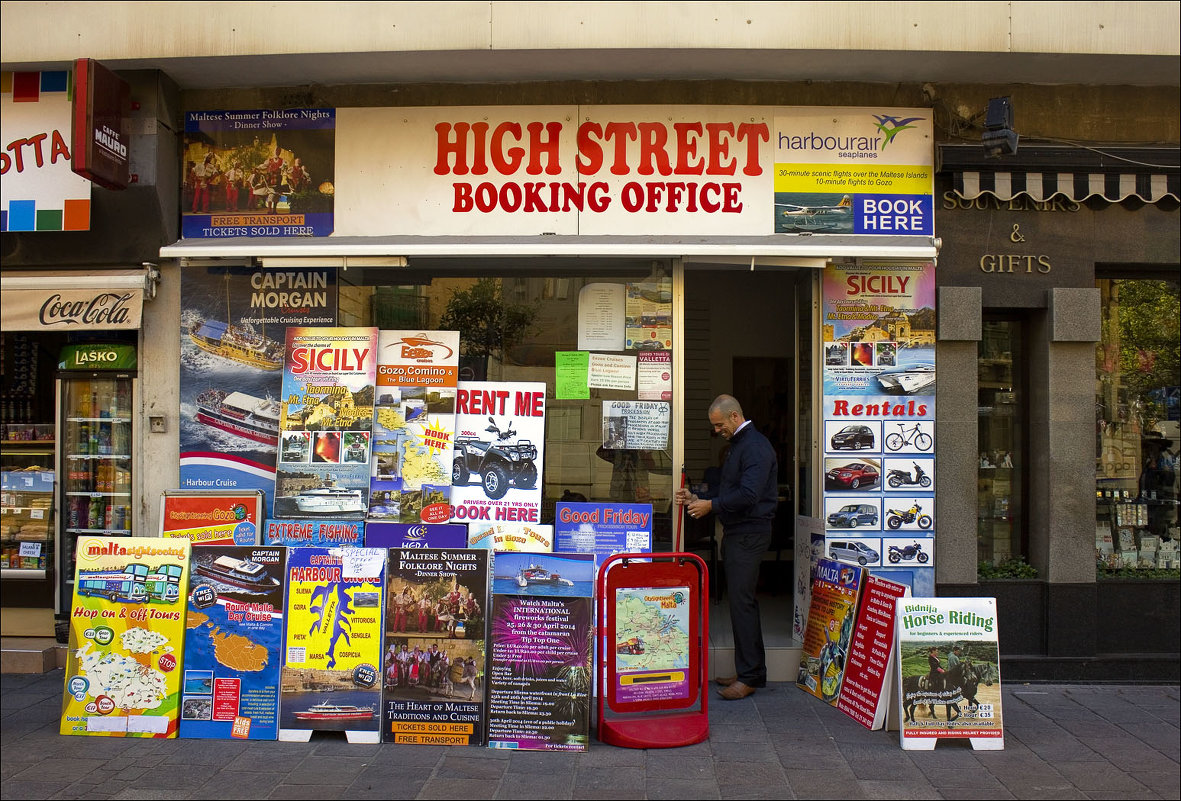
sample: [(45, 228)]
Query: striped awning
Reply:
[(1041, 173)]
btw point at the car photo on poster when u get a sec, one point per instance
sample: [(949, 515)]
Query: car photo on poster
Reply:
[(853, 437), (842, 474), (864, 513)]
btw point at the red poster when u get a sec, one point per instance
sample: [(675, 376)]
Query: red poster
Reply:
[(865, 691)]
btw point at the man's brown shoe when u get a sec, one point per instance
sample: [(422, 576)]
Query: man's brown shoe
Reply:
[(725, 681), (736, 690)]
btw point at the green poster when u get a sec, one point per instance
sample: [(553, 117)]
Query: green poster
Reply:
[(571, 369)]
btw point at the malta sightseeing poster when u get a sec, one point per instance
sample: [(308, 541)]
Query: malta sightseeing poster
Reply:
[(127, 629), (434, 661), (949, 672), (234, 324), (499, 451), (879, 419), (320, 533), (258, 172), (233, 643), (331, 670), (325, 423), (414, 426), (209, 517), (540, 664), (836, 588)]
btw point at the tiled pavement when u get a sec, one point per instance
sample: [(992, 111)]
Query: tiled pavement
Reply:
[(1061, 741)]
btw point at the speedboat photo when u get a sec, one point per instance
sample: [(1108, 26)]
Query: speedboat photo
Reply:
[(908, 379)]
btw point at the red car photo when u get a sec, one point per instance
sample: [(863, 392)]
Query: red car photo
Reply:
[(854, 475)]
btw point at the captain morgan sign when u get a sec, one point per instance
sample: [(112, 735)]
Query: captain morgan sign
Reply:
[(590, 170)]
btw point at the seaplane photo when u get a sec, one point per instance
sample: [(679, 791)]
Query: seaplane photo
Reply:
[(815, 217)]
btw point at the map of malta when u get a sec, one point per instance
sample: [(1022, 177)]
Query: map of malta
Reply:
[(231, 650), (652, 628), (127, 681)]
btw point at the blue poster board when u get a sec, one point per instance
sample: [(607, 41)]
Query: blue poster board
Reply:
[(603, 529)]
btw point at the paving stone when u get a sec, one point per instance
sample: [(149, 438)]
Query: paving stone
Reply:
[(458, 788), (534, 785), (462, 767), (31, 788), (808, 783), (236, 784), (332, 771), (542, 762), (665, 788), (885, 788), (662, 764), (321, 791)]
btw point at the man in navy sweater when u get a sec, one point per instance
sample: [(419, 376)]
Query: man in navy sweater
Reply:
[(745, 502)]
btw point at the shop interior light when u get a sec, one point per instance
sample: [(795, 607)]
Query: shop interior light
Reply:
[(999, 138), (293, 262)]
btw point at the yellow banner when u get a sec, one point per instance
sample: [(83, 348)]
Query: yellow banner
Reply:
[(867, 179)]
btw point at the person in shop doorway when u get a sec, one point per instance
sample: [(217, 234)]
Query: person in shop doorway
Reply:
[(744, 501)]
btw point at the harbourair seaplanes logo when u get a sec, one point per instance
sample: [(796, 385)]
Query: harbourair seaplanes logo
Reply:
[(421, 347), (892, 126)]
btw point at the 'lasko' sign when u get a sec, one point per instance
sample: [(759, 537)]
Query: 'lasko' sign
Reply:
[(529, 170)]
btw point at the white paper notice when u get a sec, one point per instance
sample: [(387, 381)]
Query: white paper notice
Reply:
[(360, 562), (635, 425), (600, 316), (655, 375), (608, 371)]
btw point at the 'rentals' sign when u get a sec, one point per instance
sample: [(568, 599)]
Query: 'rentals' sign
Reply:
[(641, 170)]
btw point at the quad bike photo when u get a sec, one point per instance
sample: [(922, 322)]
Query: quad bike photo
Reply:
[(498, 464)]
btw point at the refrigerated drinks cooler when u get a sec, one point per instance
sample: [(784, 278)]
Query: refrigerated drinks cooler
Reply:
[(96, 392)]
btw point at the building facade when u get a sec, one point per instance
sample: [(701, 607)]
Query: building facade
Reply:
[(1038, 452)]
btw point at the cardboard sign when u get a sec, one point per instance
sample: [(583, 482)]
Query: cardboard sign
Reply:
[(869, 677), (434, 663), (127, 628), (212, 518), (233, 643)]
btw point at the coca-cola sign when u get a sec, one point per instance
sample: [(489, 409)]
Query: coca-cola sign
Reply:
[(72, 309)]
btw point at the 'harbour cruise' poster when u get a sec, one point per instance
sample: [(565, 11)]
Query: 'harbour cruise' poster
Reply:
[(127, 628), (331, 674)]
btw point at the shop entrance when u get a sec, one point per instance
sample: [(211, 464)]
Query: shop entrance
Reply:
[(748, 333)]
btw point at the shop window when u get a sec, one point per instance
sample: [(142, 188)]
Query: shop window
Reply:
[(1002, 536), (512, 323), (1136, 426)]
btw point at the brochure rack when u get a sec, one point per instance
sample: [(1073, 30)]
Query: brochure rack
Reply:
[(653, 650)]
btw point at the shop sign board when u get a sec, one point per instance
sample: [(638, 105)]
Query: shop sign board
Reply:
[(379, 534), (878, 347), (234, 328), (39, 191), (869, 665), (499, 452), (102, 106), (233, 643), (414, 426), (316, 533), (212, 517), (325, 423), (434, 665), (37, 309), (258, 173), (603, 528), (332, 647), (541, 650), (949, 662), (634, 170), (836, 590), (127, 629)]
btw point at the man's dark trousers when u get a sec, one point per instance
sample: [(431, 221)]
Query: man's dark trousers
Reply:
[(742, 556)]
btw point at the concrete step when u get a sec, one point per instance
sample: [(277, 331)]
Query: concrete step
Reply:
[(31, 654)]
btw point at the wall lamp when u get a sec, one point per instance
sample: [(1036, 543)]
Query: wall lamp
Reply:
[(999, 138)]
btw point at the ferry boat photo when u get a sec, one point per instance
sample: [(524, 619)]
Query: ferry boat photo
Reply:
[(241, 414), (327, 711), (238, 572), (536, 574), (329, 499)]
